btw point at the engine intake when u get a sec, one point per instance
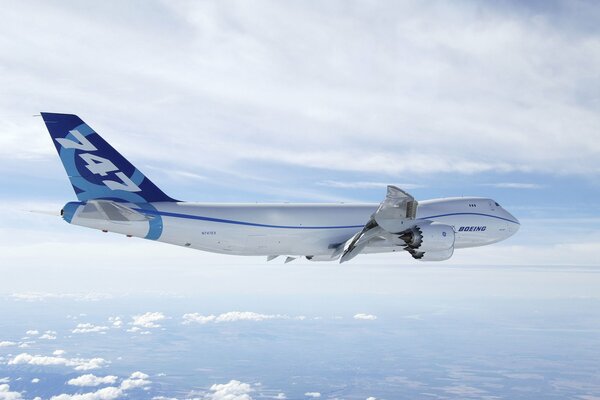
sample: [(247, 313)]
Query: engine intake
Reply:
[(429, 242)]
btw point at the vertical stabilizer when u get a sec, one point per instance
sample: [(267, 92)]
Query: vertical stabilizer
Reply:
[(96, 170)]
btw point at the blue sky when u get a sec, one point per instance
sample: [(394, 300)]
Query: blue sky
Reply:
[(311, 102), (320, 102)]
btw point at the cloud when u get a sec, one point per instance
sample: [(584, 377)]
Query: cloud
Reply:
[(198, 318), (138, 375), (148, 320), (178, 174), (366, 317), (233, 390), (117, 322), (35, 380), (280, 396), (515, 185), (79, 364), (48, 336), (32, 332), (6, 343), (231, 316), (107, 393), (136, 380), (367, 185), (314, 395), (58, 352), (464, 391), (5, 380), (92, 380), (42, 296), (88, 328), (7, 394), (415, 96)]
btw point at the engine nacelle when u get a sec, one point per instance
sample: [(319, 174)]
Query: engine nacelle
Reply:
[(429, 237), (434, 255), (429, 242)]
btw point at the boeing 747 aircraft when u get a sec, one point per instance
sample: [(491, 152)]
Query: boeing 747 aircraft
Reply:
[(114, 196)]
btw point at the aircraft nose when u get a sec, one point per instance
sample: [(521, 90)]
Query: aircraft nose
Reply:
[(513, 223)]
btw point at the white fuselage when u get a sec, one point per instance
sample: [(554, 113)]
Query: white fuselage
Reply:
[(298, 229)]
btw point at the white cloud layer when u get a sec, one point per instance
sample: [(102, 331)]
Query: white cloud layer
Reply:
[(79, 364), (233, 390), (6, 343), (515, 185), (423, 78), (136, 380), (107, 393), (148, 320), (314, 395), (89, 328), (48, 336), (41, 296), (365, 317), (366, 185), (232, 316), (92, 380), (7, 394)]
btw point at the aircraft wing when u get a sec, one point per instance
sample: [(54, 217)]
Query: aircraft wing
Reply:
[(395, 214)]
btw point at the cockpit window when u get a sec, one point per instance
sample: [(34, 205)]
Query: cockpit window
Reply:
[(497, 205)]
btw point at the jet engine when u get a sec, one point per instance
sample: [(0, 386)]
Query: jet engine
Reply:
[(433, 255), (429, 242)]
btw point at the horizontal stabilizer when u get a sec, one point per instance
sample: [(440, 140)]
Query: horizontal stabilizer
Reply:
[(111, 211)]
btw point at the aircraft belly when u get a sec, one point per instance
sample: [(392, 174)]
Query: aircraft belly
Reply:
[(250, 240)]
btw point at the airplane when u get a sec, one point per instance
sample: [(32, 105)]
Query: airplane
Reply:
[(114, 196)]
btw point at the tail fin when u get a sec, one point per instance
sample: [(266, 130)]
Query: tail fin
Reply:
[(95, 169)]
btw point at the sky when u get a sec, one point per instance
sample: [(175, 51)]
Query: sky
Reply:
[(267, 101), (313, 102)]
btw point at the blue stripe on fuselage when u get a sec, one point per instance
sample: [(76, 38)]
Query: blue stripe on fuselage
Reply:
[(471, 213), (229, 221)]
